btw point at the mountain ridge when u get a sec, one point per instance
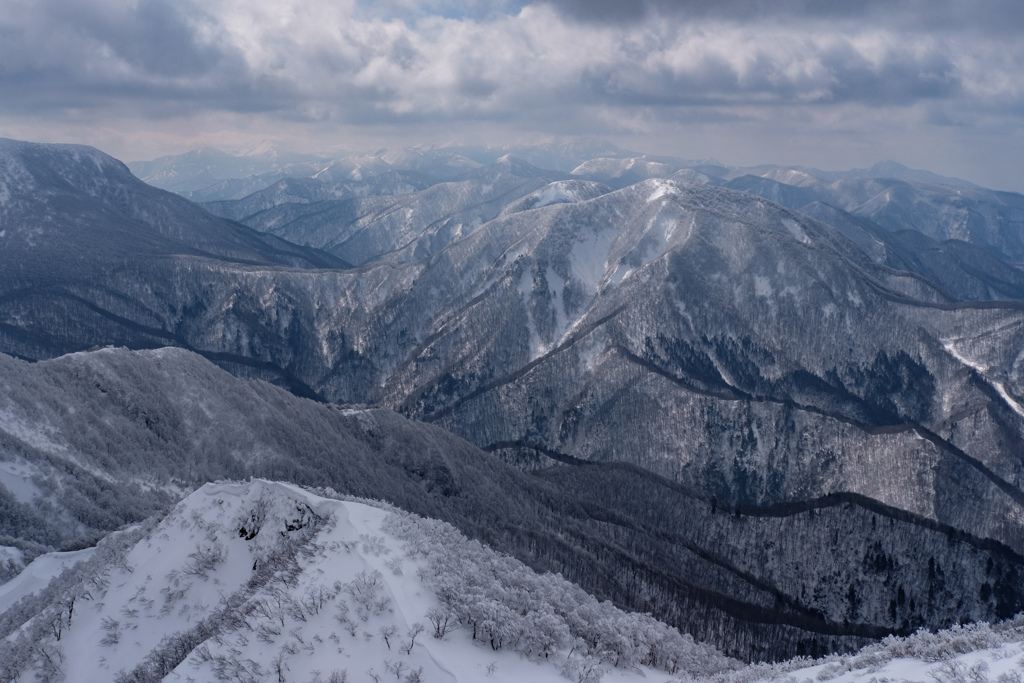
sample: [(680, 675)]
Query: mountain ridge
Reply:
[(117, 435)]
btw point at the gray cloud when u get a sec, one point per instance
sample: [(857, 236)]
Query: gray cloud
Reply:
[(902, 78), (179, 55), (603, 11), (834, 71), (551, 67), (1002, 16), (159, 57), (158, 37)]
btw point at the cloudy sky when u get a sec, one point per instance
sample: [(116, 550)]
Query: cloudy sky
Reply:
[(936, 84)]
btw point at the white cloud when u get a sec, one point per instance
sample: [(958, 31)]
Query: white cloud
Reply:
[(545, 68)]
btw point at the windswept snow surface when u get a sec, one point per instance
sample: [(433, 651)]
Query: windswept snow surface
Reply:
[(38, 574), (264, 581)]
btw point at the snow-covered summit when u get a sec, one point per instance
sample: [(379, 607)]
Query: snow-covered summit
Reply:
[(623, 172), (263, 581), (558, 192), (27, 167)]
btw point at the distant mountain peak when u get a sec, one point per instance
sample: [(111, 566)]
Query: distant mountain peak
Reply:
[(510, 164), (515, 163), (898, 171), (205, 152), (888, 166), (263, 148)]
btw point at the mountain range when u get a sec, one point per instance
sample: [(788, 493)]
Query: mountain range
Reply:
[(709, 376)]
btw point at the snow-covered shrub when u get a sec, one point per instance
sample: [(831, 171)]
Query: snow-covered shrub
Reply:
[(943, 646), (958, 639), (366, 591), (950, 671), (504, 604), (204, 559)]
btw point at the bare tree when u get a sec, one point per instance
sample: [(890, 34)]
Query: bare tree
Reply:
[(442, 620), (416, 629), (280, 666), (387, 633), (397, 667)]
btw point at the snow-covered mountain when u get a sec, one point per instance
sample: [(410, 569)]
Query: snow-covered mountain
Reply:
[(267, 581), (966, 271), (749, 355), (888, 169), (888, 193), (984, 218), (534, 328), (399, 228), (93, 441), (558, 192), (623, 172), (573, 303), (79, 205), (260, 581), (209, 174), (208, 166), (315, 190), (262, 192)]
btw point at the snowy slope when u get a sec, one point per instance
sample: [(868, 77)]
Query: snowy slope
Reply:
[(38, 574), (939, 209), (83, 207), (978, 653), (558, 192), (264, 581), (402, 227)]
